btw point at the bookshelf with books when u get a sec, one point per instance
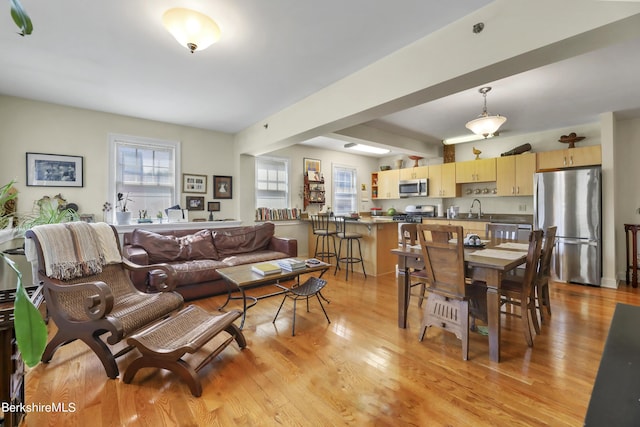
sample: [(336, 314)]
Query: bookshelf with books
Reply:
[(313, 189)]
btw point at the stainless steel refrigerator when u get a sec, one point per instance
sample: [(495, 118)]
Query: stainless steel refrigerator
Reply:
[(571, 200)]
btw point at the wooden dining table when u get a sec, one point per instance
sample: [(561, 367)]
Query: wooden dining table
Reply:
[(480, 266)]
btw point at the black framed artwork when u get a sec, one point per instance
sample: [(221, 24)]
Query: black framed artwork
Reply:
[(195, 203), (222, 187), (54, 170)]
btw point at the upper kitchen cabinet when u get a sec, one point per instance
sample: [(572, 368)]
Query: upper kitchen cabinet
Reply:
[(514, 175), (570, 157), (481, 170), (442, 181), (420, 172), (388, 182)]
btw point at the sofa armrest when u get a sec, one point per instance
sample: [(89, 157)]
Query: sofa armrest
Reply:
[(283, 244), (139, 256), (135, 254)]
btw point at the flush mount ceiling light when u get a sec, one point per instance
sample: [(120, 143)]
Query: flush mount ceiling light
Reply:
[(191, 29), (485, 124), (366, 148)]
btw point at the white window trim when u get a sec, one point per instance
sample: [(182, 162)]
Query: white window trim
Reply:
[(333, 192), (287, 161), (115, 138)]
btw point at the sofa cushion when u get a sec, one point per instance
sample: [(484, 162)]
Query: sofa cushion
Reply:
[(243, 239), (197, 271), (163, 248), (252, 257)]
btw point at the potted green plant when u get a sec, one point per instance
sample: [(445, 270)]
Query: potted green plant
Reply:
[(123, 216), (31, 332)]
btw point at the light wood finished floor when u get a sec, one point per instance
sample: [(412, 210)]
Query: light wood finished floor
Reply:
[(360, 370)]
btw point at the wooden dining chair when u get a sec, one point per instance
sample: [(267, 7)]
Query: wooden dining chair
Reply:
[(417, 277), (543, 300), (502, 231), (520, 291), (448, 303)]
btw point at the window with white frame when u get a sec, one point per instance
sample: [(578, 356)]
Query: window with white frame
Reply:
[(345, 193), (146, 171), (272, 182)]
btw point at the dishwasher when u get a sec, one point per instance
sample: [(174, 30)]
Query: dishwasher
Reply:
[(523, 229)]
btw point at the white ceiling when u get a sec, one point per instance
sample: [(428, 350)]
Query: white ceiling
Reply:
[(115, 56)]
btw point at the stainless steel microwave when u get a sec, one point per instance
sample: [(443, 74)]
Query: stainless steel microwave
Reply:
[(414, 187)]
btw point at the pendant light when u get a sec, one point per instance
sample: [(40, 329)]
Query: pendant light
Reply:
[(485, 124)]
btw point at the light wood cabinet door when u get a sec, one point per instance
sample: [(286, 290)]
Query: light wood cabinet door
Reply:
[(414, 173), (388, 184), (570, 157), (471, 227), (481, 170), (525, 169), (442, 181), (448, 184), (514, 175)]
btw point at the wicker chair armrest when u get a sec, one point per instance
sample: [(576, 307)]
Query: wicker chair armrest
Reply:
[(161, 276), (97, 305)]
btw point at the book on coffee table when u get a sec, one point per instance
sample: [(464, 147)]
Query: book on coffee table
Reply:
[(266, 268), (291, 264)]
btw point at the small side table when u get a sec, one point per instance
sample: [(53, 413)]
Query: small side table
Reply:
[(633, 230)]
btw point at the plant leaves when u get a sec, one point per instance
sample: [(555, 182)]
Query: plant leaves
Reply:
[(31, 332), (21, 18)]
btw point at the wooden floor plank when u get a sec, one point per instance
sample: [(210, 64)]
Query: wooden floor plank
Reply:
[(360, 369)]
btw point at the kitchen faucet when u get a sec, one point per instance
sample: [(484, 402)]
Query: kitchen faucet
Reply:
[(479, 208)]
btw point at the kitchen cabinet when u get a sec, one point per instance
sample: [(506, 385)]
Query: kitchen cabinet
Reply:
[(570, 158), (481, 170), (374, 185), (468, 227), (442, 181), (414, 173), (388, 182), (313, 192), (514, 175)]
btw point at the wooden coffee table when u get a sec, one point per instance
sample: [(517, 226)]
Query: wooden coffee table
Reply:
[(242, 277)]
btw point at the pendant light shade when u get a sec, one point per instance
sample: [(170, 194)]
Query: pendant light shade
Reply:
[(485, 124), (191, 29)]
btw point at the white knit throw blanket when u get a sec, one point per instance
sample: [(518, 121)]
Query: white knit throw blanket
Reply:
[(70, 249)]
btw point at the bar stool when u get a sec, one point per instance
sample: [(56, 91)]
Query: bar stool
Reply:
[(322, 230), (350, 237)]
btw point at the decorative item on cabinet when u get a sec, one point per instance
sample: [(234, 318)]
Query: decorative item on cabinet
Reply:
[(313, 190), (477, 153), (571, 139), (416, 159), (518, 150)]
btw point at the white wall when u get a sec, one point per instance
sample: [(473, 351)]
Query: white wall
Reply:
[(30, 126)]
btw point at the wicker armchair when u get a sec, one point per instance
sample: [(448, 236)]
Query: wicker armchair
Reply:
[(94, 303)]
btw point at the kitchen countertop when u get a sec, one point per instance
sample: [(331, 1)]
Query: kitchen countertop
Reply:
[(486, 217)]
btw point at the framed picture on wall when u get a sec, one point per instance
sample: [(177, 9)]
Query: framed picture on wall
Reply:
[(54, 170), (222, 187), (195, 203), (194, 183), (312, 165), (213, 206)]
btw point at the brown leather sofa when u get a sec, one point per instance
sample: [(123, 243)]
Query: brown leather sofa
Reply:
[(197, 253)]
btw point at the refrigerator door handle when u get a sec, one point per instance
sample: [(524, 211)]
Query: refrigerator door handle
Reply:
[(570, 241)]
